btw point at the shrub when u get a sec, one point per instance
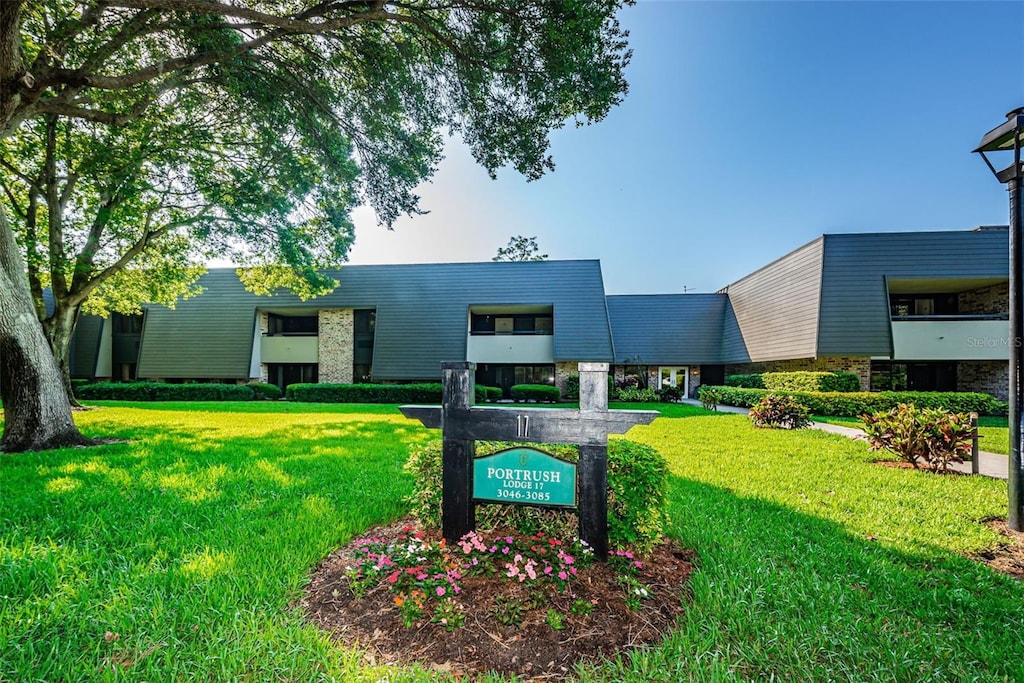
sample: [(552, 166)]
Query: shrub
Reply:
[(745, 381), (779, 412), (534, 392), (811, 381), (637, 483), (265, 392), (628, 382), (637, 395), (365, 393), (670, 394), (162, 391), (855, 404), (572, 387), (710, 397), (486, 393), (914, 434)]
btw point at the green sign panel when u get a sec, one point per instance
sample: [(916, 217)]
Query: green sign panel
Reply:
[(526, 476)]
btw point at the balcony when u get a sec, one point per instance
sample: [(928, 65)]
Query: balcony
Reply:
[(289, 349), (951, 337), (525, 349)]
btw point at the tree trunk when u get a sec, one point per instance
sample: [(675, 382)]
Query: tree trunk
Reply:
[(59, 328), (37, 414)]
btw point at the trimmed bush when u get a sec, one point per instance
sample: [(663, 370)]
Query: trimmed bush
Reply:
[(670, 394), (710, 397), (779, 412), (855, 404), (753, 381), (811, 381), (637, 483), (365, 393), (637, 395), (486, 393), (265, 392), (162, 391), (936, 437), (535, 392)]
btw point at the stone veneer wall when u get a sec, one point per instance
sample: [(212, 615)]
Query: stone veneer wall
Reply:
[(336, 329), (987, 300), (562, 371), (264, 321), (987, 376), (859, 365)]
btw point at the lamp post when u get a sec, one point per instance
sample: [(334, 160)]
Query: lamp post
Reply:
[(1008, 137)]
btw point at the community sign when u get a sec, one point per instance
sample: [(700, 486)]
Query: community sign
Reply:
[(526, 476)]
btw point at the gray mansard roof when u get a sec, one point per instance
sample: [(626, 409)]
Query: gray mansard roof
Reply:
[(830, 296), (422, 315), (667, 329)]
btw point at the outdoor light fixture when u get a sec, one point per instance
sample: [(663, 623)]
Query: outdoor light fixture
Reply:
[(1009, 137)]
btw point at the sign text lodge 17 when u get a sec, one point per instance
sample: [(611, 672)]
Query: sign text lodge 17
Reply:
[(526, 476)]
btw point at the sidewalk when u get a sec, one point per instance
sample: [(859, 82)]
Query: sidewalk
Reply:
[(993, 465)]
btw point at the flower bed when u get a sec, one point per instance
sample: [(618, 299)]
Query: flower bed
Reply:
[(526, 604)]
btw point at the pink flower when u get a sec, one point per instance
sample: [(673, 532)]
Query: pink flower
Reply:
[(563, 576), (547, 570), (440, 591)]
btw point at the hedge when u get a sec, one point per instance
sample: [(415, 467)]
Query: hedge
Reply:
[(797, 381), (535, 392), (266, 392), (485, 393), (752, 381), (162, 391), (365, 393), (811, 381), (855, 404)]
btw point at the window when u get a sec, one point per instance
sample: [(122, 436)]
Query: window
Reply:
[(901, 305), (519, 323), (297, 325), (364, 321), (283, 374)]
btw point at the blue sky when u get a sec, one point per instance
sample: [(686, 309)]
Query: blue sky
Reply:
[(750, 128)]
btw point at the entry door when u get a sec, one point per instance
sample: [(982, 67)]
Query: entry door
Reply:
[(675, 377)]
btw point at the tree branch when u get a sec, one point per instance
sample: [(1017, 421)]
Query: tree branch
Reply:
[(53, 214)]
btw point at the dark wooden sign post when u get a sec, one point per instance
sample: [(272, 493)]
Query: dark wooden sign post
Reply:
[(462, 424)]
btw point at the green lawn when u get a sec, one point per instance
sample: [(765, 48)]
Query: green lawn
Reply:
[(993, 432), (191, 539)]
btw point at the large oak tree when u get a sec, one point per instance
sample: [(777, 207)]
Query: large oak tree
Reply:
[(139, 136)]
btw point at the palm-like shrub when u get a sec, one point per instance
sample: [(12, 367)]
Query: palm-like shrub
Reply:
[(930, 435), (779, 412)]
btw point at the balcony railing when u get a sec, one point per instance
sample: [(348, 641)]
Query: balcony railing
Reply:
[(964, 316)]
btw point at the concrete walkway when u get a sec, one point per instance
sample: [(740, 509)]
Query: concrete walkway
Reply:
[(993, 465)]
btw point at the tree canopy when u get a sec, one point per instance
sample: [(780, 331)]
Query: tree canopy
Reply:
[(140, 137), (520, 248)]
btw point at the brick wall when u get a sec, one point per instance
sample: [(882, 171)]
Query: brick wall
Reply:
[(993, 299), (988, 376), (861, 366), (336, 331)]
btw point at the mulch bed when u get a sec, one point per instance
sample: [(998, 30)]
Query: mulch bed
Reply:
[(534, 650), (1008, 556), (901, 465)]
